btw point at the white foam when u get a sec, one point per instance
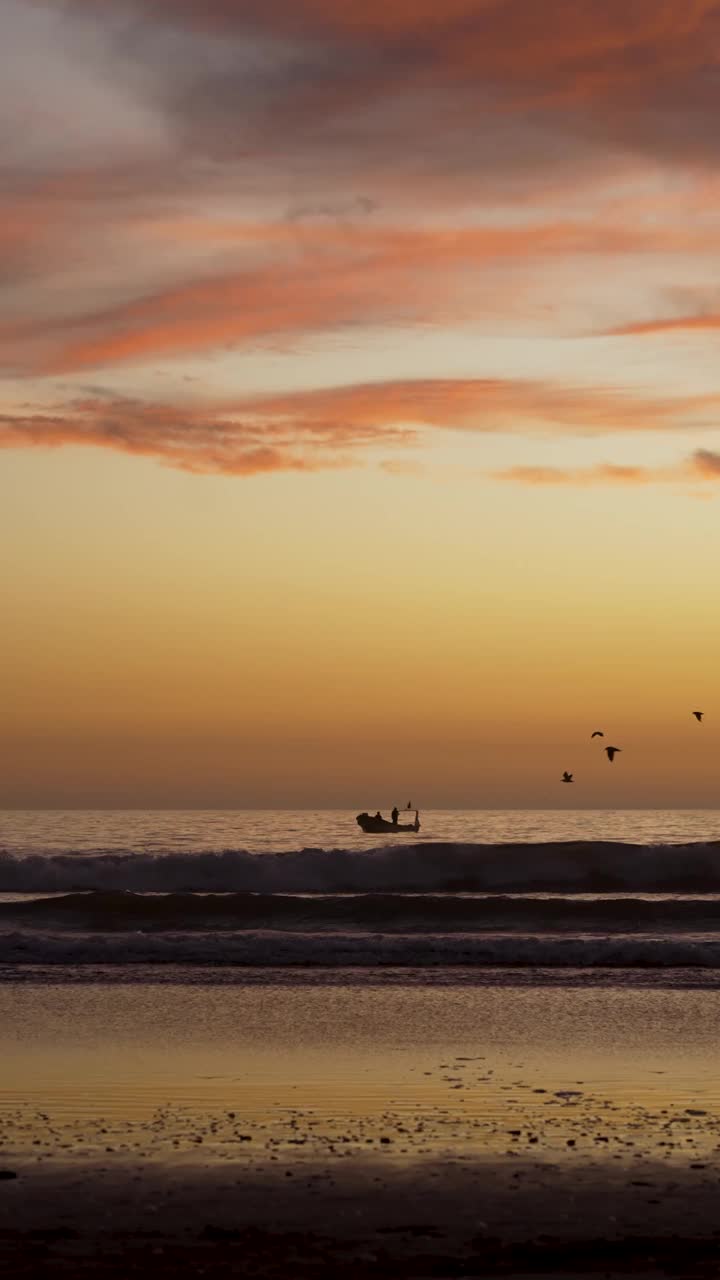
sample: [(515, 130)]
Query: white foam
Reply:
[(560, 867)]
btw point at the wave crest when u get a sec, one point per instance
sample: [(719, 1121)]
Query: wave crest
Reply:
[(555, 867), (271, 950), (382, 912)]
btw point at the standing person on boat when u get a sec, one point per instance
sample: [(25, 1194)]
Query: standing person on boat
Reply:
[(395, 815)]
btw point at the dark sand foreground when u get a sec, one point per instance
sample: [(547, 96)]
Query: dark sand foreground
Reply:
[(364, 1217), (318, 1131)]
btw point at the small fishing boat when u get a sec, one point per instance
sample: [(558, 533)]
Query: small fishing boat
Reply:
[(372, 824)]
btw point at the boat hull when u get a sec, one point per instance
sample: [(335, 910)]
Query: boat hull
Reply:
[(375, 826)]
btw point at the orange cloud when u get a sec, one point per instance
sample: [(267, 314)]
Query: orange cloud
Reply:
[(703, 464), (418, 106), (323, 279), (194, 440), (338, 426), (706, 463), (706, 320), (484, 404), (603, 473)]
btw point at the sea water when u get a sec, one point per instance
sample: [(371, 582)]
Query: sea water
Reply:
[(473, 889)]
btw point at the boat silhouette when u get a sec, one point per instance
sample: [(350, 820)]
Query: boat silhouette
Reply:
[(371, 824)]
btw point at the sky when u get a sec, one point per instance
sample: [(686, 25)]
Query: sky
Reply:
[(359, 402)]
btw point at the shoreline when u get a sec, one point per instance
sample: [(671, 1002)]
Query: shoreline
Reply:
[(671, 977)]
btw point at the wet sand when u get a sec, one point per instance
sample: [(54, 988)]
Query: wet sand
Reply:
[(320, 1127)]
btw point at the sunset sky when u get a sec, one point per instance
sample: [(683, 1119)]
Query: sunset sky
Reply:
[(360, 402)]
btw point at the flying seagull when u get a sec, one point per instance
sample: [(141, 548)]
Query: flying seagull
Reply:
[(611, 752), (567, 777), (698, 715), (597, 734)]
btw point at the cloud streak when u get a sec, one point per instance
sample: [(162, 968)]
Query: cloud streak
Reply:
[(279, 282), (703, 464), (488, 405), (280, 178), (347, 426), (196, 441), (672, 324)]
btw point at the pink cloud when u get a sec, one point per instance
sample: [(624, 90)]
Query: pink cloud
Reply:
[(198, 441), (341, 426), (703, 320), (703, 464), (332, 279)]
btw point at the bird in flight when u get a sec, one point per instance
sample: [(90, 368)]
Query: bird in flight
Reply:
[(698, 715), (611, 752), (597, 734), (567, 777)]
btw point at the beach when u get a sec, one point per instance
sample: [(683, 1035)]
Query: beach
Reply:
[(265, 1043), (397, 1124), (360, 750)]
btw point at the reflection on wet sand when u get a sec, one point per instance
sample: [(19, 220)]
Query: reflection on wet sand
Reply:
[(400, 1130)]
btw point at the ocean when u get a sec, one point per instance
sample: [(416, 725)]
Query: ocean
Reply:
[(484, 891)]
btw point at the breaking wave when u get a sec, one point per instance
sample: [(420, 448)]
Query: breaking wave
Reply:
[(377, 912), (552, 905), (266, 949), (553, 867)]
